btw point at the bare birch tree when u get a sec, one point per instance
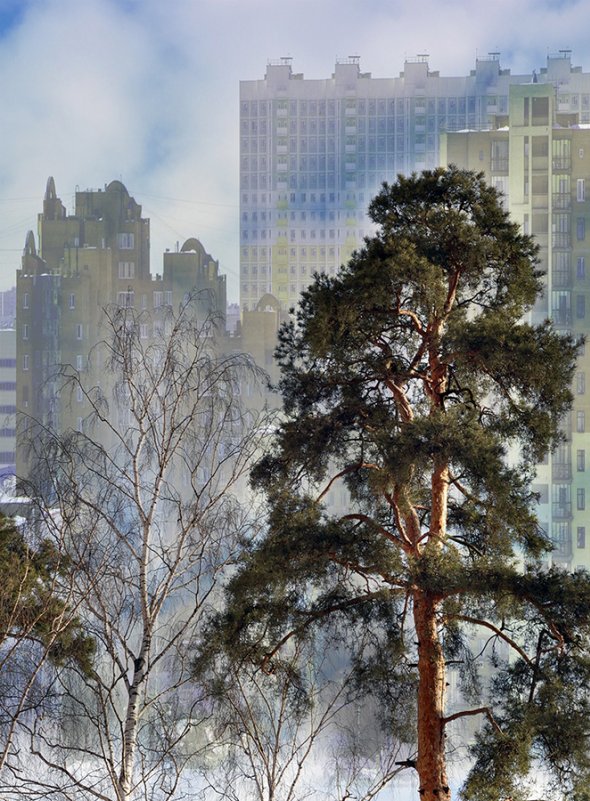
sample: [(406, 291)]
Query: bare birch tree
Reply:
[(144, 497), (271, 727), (302, 728)]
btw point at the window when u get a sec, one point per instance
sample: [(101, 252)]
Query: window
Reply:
[(126, 299), (143, 331), (540, 110), (540, 146), (581, 460), (561, 269), (580, 383), (580, 189), (581, 537), (581, 268), (168, 297), (581, 229), (561, 186), (158, 299), (561, 538), (126, 269), (79, 331), (26, 300), (580, 499), (126, 241), (580, 422), (26, 361), (580, 306), (79, 362), (72, 302), (560, 495), (561, 154), (561, 307), (25, 331)]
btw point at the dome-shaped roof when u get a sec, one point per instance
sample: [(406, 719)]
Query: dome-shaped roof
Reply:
[(193, 244), (117, 186), (267, 301)]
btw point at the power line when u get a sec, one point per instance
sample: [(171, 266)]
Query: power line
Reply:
[(184, 200)]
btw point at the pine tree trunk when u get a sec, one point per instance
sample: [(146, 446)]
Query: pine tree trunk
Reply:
[(431, 763)]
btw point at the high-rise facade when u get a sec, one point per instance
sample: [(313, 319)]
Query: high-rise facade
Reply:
[(314, 152), (539, 157)]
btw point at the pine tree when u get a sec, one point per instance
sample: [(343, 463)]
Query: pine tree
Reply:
[(39, 627), (412, 379), (33, 602)]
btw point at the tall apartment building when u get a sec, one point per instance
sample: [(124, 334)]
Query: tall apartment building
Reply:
[(314, 152), (539, 157), (7, 384), (85, 262), (7, 402)]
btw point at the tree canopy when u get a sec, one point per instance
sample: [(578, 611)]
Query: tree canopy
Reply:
[(416, 391), (140, 503)]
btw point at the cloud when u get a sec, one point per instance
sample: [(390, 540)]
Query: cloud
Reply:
[(147, 92)]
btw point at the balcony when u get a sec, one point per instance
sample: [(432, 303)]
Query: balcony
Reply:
[(561, 279), (562, 549), (500, 165), (561, 200), (561, 510), (561, 471), (561, 163), (562, 239)]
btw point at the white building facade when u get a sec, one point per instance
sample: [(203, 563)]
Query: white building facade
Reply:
[(314, 152)]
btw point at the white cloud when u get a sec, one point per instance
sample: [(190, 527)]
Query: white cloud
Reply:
[(147, 91)]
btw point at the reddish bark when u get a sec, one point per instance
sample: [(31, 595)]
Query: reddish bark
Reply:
[(431, 762)]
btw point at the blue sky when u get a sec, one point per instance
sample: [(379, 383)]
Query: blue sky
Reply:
[(146, 91)]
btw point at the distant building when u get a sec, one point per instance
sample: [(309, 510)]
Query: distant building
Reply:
[(538, 155), (314, 152), (85, 262), (8, 308), (7, 403)]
